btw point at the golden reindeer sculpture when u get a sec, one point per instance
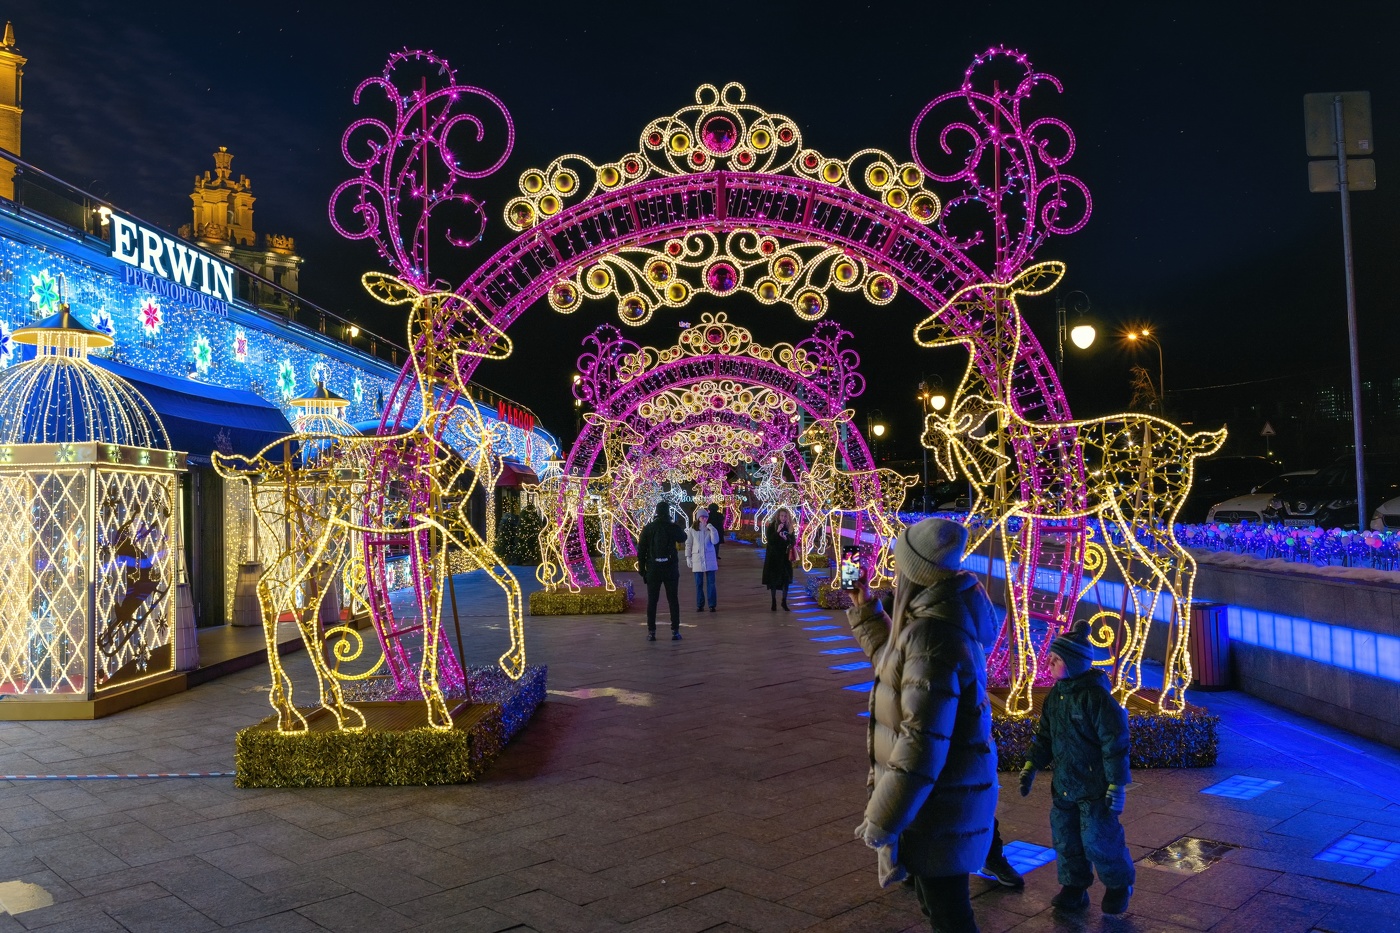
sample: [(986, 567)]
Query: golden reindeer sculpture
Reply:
[(564, 501), (829, 492), (1127, 474), (326, 502)]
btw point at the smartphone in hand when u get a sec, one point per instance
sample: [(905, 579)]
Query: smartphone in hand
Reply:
[(850, 568)]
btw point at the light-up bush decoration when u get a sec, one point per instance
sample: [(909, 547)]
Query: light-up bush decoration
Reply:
[(88, 491)]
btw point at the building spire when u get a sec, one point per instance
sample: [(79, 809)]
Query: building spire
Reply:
[(9, 41)]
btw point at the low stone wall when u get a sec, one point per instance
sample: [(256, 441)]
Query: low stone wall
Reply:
[(1295, 614)]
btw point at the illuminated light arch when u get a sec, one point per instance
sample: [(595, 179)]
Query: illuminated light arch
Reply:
[(1003, 167), (621, 379)]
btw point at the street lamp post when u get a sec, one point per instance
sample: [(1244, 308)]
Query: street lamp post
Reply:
[(1082, 334), (1146, 336), (930, 399), (874, 429)]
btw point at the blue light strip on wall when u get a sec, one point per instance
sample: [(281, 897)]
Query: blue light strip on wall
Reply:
[(1336, 645), (1323, 642)]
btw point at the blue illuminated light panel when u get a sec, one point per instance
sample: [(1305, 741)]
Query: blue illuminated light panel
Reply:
[(1240, 787), (851, 650), (1361, 850), (853, 666), (861, 688), (1025, 857), (820, 628), (1334, 645), (833, 638)]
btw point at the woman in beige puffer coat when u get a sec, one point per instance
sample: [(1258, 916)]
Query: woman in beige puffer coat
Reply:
[(933, 777)]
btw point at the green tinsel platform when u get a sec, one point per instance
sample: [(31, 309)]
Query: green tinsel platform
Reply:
[(590, 600), (1186, 740)]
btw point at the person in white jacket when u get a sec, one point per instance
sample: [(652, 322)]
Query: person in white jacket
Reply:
[(700, 540)]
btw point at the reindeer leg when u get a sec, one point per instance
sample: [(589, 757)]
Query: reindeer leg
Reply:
[(429, 590), (280, 696)]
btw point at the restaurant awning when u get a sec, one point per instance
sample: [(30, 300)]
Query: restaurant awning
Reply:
[(201, 418), (515, 474)]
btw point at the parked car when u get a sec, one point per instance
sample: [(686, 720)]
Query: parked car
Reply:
[(1386, 517), (1329, 499), (1250, 507), (1220, 478)]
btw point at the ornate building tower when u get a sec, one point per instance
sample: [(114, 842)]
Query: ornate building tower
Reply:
[(11, 73), (223, 224)]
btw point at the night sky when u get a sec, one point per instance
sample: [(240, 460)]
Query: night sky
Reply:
[(1189, 130)]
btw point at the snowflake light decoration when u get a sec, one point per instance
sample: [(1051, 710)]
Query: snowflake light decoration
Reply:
[(152, 318), (45, 295), (7, 346), (240, 345), (357, 390), (286, 379), (103, 322), (203, 354)]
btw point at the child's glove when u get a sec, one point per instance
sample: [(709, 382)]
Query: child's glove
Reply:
[(1027, 778), (1116, 798), (874, 836)]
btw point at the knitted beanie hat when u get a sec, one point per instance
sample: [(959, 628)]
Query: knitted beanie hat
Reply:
[(1074, 649), (663, 510), (929, 550)]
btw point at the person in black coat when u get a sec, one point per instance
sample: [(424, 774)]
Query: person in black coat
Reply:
[(717, 523), (779, 540), (660, 566)]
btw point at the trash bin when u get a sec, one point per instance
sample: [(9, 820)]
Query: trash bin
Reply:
[(1209, 646)]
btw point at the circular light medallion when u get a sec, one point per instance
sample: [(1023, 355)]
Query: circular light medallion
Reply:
[(719, 134), (549, 204), (878, 176), (910, 176), (659, 272), (680, 142), (633, 310), (760, 139), (809, 305), (521, 214), (785, 269), (767, 290), (564, 296), (881, 288), (721, 278), (599, 278), (564, 182), (896, 197), (533, 183), (845, 272), (832, 172), (676, 292), (609, 176), (922, 207)]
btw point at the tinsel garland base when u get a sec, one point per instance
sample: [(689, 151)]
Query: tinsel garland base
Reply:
[(396, 747), (1189, 739), (820, 589), (590, 600)]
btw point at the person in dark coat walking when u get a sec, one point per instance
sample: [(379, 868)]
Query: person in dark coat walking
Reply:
[(660, 566), (1084, 731), (933, 764), (779, 541), (717, 523)]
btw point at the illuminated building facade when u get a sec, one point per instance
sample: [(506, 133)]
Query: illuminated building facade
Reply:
[(222, 354)]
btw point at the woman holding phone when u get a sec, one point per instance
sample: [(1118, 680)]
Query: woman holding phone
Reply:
[(781, 542)]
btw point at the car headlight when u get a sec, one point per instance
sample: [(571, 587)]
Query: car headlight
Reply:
[(1276, 504)]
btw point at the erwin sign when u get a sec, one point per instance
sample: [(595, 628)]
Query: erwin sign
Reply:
[(156, 253)]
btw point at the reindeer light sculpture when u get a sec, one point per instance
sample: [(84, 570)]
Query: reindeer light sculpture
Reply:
[(1126, 474)]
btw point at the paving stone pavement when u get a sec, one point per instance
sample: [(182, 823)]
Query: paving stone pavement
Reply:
[(710, 784)]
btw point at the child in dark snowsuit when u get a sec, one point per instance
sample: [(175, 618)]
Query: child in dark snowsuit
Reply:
[(1084, 732)]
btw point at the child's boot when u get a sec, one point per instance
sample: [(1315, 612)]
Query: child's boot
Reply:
[(1115, 900)]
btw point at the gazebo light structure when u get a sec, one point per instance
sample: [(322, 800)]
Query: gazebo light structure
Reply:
[(88, 489)]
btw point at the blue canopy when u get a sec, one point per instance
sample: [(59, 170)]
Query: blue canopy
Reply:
[(201, 418)]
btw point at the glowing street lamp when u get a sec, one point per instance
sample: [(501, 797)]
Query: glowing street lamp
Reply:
[(1142, 336)]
